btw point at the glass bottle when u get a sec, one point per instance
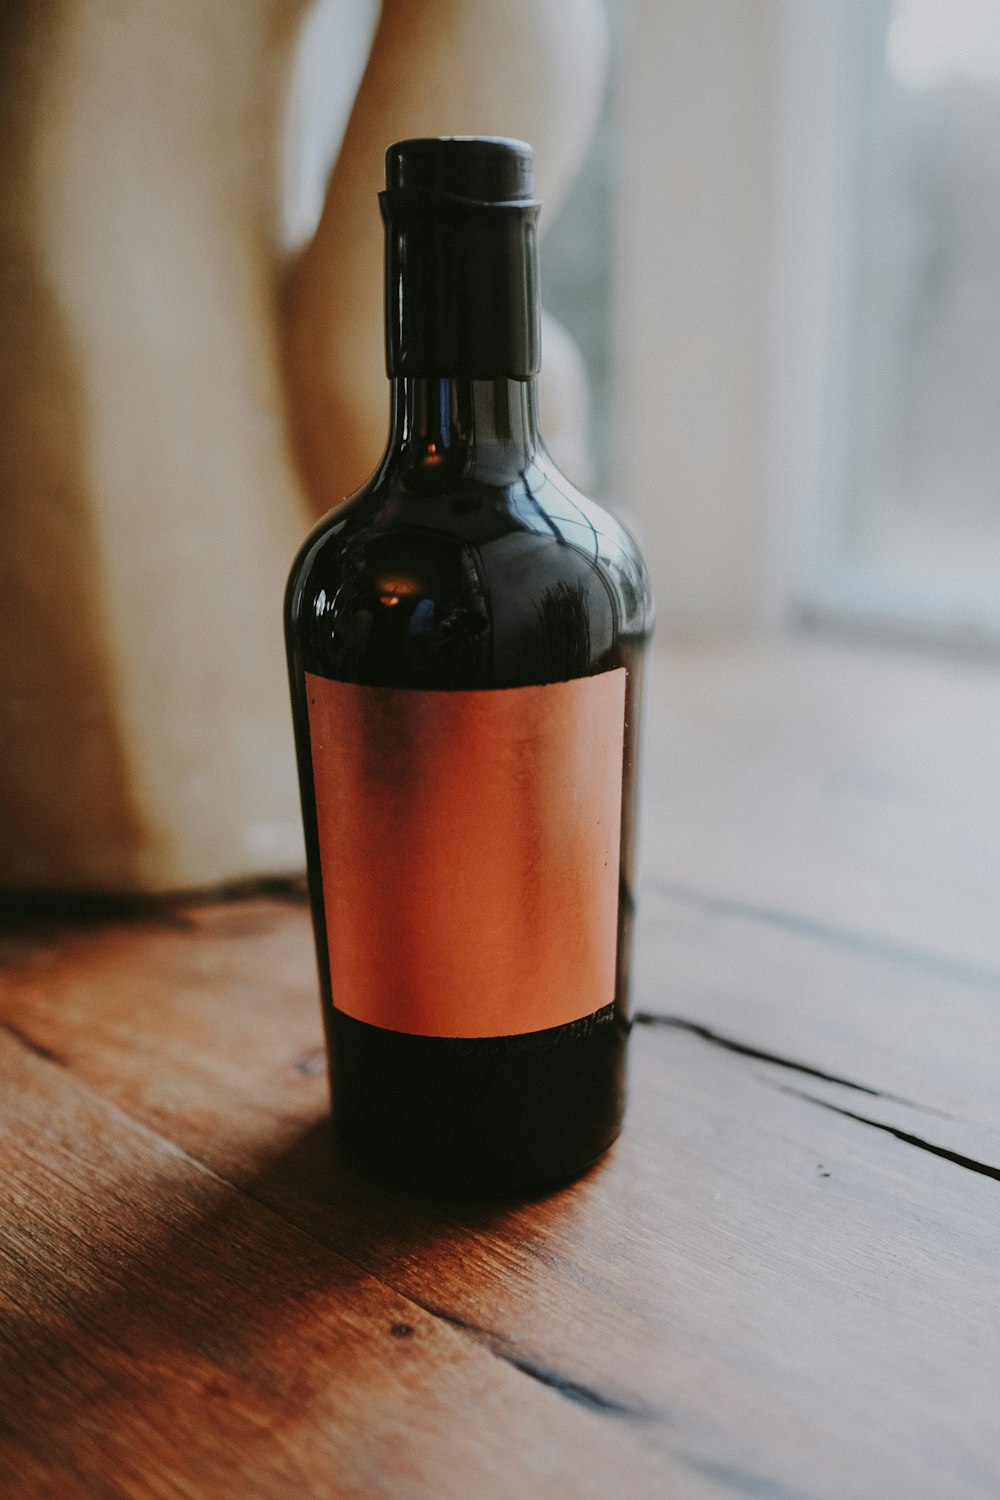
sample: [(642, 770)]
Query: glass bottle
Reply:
[(466, 638)]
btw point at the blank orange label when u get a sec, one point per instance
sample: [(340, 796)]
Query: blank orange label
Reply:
[(469, 844)]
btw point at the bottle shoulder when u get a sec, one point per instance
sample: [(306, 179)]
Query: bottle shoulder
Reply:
[(471, 583), (540, 519)]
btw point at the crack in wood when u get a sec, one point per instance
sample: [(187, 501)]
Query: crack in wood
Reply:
[(741, 1480), (825, 932), (572, 1390), (554, 1380), (27, 1042), (744, 1049), (984, 1169)]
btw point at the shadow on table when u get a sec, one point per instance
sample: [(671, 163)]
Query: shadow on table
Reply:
[(161, 1297)]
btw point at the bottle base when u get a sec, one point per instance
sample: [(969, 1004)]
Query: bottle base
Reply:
[(479, 1116), (469, 1181)]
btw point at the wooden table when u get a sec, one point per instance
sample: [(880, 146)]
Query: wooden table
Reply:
[(781, 1283)]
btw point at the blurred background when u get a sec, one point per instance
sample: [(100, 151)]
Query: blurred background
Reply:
[(797, 352), (771, 265)]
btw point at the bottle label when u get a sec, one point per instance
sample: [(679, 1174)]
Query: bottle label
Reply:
[(469, 846)]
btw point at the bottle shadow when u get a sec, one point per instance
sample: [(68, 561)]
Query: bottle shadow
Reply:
[(319, 1183), (161, 1295)]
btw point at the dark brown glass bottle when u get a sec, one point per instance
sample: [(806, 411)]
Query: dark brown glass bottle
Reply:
[(466, 638)]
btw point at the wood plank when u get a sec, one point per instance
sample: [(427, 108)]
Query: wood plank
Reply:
[(164, 1334), (859, 789), (892, 1031), (767, 1293)]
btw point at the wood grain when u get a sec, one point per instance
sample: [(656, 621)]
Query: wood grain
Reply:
[(853, 788), (781, 1283), (163, 1333)]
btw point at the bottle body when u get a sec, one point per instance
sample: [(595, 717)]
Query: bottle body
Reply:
[(472, 568)]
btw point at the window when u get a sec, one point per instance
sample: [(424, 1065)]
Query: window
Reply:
[(905, 524), (807, 321)]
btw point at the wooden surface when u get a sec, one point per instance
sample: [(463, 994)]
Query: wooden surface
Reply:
[(782, 1283)]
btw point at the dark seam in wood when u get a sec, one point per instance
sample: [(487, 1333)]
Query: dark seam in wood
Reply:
[(571, 1390), (744, 1049), (35, 1048), (968, 1162), (838, 937), (741, 1480)]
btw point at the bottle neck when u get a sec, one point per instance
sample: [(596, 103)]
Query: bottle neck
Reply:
[(461, 288), (448, 426)]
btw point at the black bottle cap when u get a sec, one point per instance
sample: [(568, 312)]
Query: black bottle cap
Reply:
[(461, 289), (474, 169)]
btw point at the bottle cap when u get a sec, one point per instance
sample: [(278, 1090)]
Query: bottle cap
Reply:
[(474, 169)]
